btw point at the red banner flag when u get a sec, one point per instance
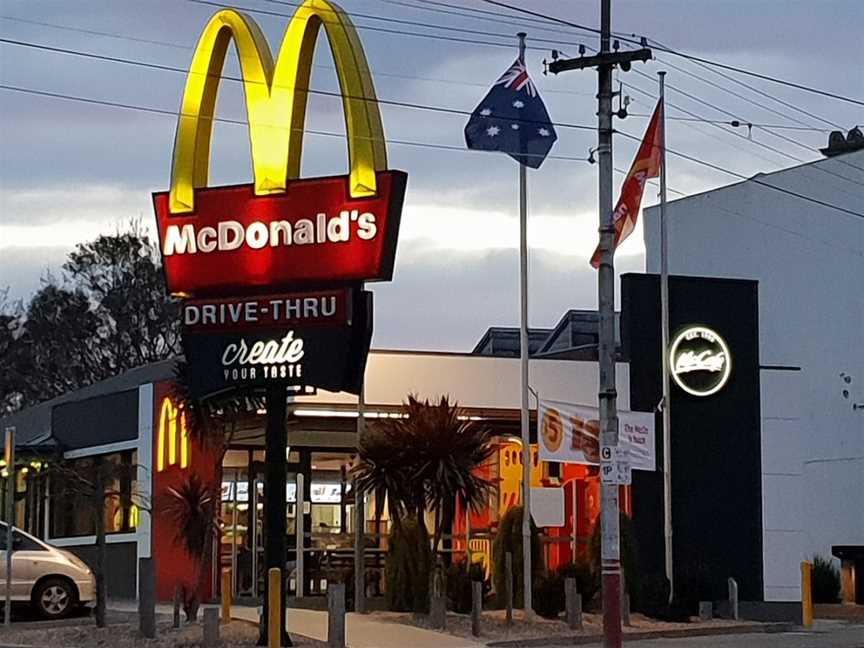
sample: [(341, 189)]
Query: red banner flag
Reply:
[(646, 165)]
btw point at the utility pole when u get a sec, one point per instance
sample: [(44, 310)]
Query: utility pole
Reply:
[(605, 61)]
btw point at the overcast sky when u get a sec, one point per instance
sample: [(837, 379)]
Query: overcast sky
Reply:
[(71, 170)]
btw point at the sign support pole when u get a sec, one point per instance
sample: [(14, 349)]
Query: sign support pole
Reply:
[(360, 517), (275, 523), (664, 352), (10, 508), (523, 359)]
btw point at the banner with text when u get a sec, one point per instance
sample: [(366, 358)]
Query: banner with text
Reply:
[(571, 434)]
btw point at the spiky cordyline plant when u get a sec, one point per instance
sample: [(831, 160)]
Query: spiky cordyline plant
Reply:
[(427, 458)]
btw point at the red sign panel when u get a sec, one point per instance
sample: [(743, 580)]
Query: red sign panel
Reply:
[(313, 234), (215, 315)]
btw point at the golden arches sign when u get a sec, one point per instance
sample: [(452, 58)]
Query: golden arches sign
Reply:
[(173, 446), (276, 98)]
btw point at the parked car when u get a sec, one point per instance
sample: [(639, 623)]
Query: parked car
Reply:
[(55, 582)]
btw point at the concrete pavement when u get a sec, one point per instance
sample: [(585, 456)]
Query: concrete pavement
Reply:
[(363, 631), (825, 634)]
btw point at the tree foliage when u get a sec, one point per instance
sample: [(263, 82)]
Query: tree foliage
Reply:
[(108, 313), (509, 540)]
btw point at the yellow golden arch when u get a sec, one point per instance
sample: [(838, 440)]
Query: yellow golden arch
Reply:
[(170, 419), (276, 97)]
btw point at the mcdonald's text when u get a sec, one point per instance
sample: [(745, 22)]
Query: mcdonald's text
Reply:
[(314, 234)]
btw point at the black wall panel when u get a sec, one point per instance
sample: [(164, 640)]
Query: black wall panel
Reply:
[(716, 440), (96, 421)]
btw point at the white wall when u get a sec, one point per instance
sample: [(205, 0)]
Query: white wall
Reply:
[(809, 261)]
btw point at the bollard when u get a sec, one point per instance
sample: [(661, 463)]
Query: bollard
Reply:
[(706, 610), (508, 580), (274, 608), (438, 599), (847, 582), (335, 615), (226, 595), (178, 602), (806, 595), (146, 598), (733, 598), (211, 627), (476, 606), (573, 604), (625, 610)]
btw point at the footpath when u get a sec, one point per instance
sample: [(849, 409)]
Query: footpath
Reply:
[(362, 631)]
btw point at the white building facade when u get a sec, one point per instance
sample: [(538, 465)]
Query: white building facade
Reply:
[(808, 258)]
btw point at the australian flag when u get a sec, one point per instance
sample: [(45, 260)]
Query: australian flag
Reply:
[(512, 119)]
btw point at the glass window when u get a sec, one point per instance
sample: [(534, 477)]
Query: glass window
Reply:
[(72, 498)]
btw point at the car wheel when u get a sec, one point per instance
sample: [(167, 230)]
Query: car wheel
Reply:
[(54, 598)]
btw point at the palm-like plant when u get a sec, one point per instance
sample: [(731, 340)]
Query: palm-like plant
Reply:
[(192, 508), (425, 459)]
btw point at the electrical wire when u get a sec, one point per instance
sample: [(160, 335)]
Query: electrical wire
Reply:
[(734, 123), (240, 122), (754, 180), (416, 23), (384, 30), (739, 135), (461, 12), (188, 48), (762, 93), (691, 57), (327, 93)]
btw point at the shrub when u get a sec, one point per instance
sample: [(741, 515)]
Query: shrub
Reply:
[(825, 581), (628, 557), (459, 583), (407, 568), (549, 596), (509, 538), (587, 580)]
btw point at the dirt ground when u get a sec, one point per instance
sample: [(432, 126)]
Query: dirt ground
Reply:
[(493, 625), (124, 634)]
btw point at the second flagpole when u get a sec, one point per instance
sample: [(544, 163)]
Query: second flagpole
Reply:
[(523, 358), (664, 319)]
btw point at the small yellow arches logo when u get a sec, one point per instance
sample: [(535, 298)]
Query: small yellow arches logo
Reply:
[(173, 446), (276, 98)]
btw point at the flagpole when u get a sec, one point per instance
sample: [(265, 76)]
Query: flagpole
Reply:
[(664, 308), (523, 361)]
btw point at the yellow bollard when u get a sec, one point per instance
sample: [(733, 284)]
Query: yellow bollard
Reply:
[(226, 595), (274, 608), (806, 595)]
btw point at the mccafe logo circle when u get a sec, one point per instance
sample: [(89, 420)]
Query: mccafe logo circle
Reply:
[(699, 361)]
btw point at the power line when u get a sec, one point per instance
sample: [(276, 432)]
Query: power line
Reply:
[(226, 120), (690, 57), (416, 23), (327, 93), (760, 92), (754, 180), (736, 94), (376, 73), (760, 221), (739, 135), (735, 123), (385, 30)]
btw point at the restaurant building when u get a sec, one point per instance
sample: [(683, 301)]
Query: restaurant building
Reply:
[(717, 497)]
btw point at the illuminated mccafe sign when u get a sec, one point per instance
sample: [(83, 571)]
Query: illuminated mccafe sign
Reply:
[(699, 361), (280, 231)]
